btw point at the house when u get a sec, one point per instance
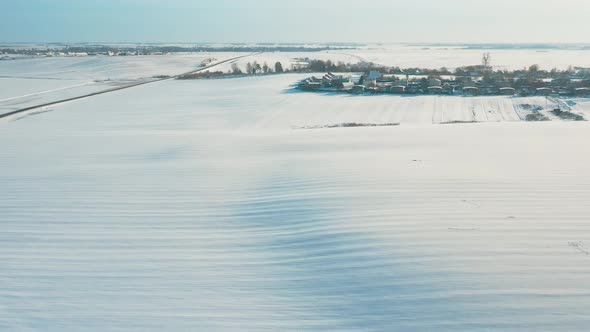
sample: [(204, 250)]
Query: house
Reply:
[(470, 91), (414, 88), (434, 82), (502, 84), (77, 54), (386, 79), (435, 90), (565, 91), (399, 89), (447, 89), (525, 91), (374, 75), (383, 88), (370, 83), (328, 78), (544, 91), (358, 89), (372, 90), (507, 91), (346, 86), (488, 90), (494, 83)]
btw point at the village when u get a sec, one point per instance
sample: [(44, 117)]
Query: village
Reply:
[(480, 80), (16, 51)]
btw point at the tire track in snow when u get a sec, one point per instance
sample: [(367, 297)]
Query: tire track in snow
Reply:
[(48, 91)]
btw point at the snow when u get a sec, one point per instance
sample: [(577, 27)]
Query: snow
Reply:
[(35, 81), (580, 105), (270, 103), (407, 56), (14, 88), (196, 205), (105, 67), (288, 59), (28, 82)]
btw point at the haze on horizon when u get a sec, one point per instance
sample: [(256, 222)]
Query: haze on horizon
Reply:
[(449, 21)]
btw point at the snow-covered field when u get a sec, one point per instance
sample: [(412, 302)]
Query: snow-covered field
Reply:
[(289, 59), (35, 81), (270, 103), (29, 82), (105, 67), (410, 56), (198, 205), (452, 57)]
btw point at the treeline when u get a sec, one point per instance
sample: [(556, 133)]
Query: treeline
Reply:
[(485, 71), (252, 68), (487, 74), (316, 66), (70, 49), (246, 49), (161, 49), (305, 66)]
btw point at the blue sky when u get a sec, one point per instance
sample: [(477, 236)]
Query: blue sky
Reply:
[(295, 21)]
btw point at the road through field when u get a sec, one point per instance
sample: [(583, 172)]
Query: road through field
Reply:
[(118, 88)]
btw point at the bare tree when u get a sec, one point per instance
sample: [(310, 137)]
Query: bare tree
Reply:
[(329, 65), (278, 67), (257, 68), (249, 68), (235, 69), (486, 59), (265, 68)]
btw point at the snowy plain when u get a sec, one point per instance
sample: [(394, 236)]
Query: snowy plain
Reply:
[(35, 81), (412, 56), (207, 205), (105, 67), (29, 82), (425, 56)]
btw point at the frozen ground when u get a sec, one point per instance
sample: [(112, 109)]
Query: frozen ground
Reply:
[(289, 59), (195, 205), (268, 103), (105, 68), (409, 56), (452, 57), (29, 82)]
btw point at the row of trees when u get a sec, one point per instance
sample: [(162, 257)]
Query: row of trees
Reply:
[(255, 68), (526, 75), (329, 66)]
